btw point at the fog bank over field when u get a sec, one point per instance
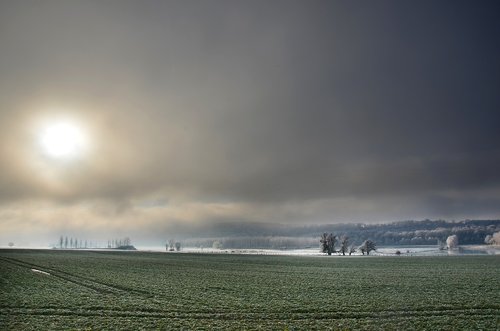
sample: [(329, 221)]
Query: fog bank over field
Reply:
[(197, 113), (280, 236)]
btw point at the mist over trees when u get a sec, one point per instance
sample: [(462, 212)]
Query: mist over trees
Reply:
[(280, 236), (452, 242), (263, 242), (425, 232), (173, 246), (285, 236), (493, 239), (257, 242)]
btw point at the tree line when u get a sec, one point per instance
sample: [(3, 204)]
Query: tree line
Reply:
[(253, 242), (76, 243), (426, 232), (328, 244), (286, 236)]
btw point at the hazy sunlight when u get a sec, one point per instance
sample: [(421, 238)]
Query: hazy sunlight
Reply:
[(63, 139)]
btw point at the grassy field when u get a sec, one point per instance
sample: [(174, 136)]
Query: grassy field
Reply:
[(134, 290)]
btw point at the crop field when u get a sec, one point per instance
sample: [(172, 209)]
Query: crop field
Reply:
[(51, 290)]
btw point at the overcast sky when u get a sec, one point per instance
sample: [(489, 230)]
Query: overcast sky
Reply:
[(247, 111)]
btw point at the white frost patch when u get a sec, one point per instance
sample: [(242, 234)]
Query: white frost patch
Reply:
[(40, 272)]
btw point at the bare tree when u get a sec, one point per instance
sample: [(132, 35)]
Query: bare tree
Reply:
[(323, 243), (344, 244), (352, 249), (66, 242), (171, 245), (327, 243), (127, 241), (367, 246), (61, 241), (178, 246)]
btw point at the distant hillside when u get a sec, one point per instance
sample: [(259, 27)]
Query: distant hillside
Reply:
[(266, 235)]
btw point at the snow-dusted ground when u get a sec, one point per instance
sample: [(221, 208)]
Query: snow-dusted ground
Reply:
[(435, 251), (382, 251), (417, 250), (308, 251)]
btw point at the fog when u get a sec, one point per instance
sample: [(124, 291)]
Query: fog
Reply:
[(283, 112)]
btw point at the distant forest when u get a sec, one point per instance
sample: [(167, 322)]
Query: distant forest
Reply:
[(279, 236)]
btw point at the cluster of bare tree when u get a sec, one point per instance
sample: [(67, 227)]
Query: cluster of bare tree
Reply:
[(493, 239), (120, 243), (328, 245), (173, 246), (73, 243)]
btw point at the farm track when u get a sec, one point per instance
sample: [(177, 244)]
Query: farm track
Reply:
[(86, 282)]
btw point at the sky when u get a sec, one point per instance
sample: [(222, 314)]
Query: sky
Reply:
[(178, 113)]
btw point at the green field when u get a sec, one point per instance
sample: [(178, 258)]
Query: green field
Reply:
[(134, 290)]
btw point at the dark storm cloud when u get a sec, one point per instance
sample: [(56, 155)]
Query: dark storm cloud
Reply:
[(261, 104)]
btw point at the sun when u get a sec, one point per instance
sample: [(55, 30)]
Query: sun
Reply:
[(62, 140)]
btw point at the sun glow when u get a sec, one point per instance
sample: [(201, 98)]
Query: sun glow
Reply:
[(62, 140)]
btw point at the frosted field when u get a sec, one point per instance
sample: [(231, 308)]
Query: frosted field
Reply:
[(418, 250), (112, 290)]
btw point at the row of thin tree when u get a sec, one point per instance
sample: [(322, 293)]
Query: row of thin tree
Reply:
[(75, 243)]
